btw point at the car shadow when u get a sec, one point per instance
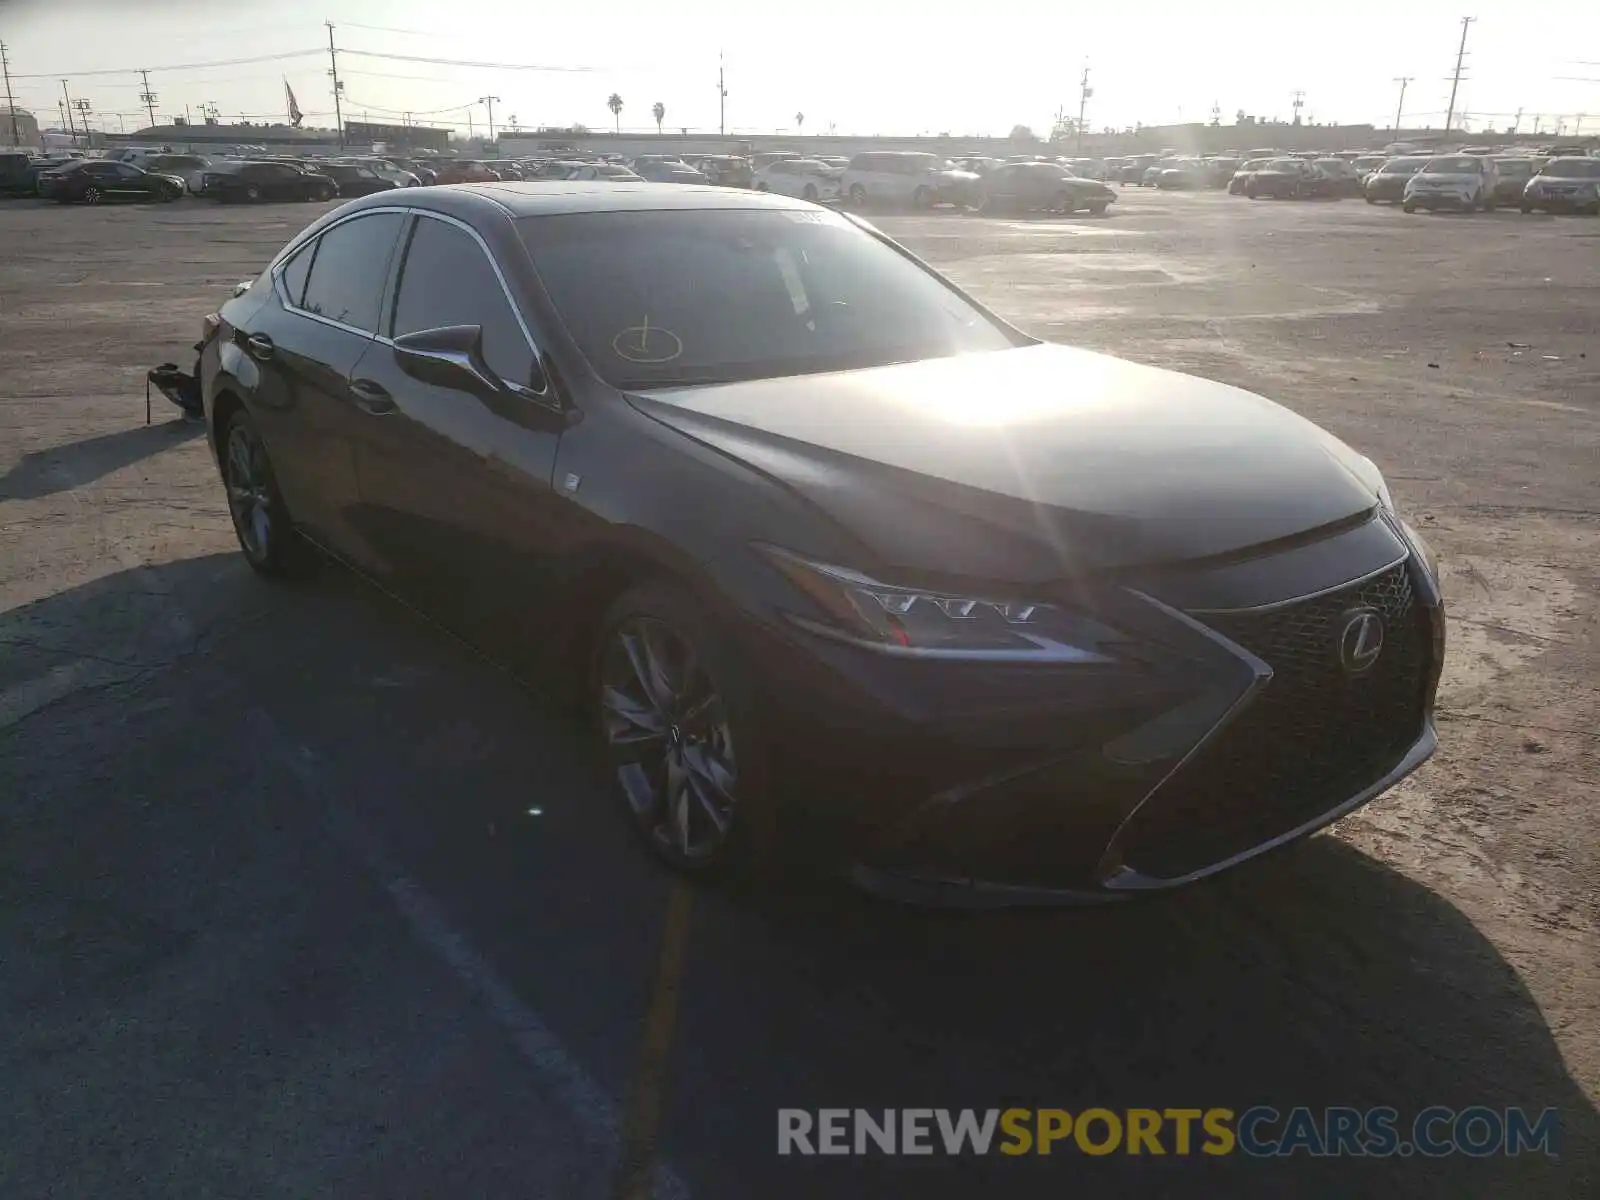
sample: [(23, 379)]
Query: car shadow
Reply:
[(61, 468), (1318, 977)]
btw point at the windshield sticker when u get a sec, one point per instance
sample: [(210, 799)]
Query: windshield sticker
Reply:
[(647, 343)]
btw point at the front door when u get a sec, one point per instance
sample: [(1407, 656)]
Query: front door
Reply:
[(306, 341), (456, 492)]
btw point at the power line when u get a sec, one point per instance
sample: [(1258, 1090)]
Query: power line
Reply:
[(226, 62), (467, 62)]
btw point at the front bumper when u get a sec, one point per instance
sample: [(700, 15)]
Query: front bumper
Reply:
[(1260, 745), (1439, 200), (1561, 201)]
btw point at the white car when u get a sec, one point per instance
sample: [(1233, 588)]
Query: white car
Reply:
[(907, 177), (1461, 181), (187, 167), (804, 178)]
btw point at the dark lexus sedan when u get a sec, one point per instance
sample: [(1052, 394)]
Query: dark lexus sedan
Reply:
[(838, 558), (99, 180), (254, 182), (1291, 179)]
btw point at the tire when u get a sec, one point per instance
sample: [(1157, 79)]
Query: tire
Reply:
[(261, 520), (1407, 206), (922, 198), (1527, 208), (1370, 200), (810, 193), (1098, 208), (858, 195), (673, 708), (762, 187), (1252, 193), (92, 195), (252, 193)]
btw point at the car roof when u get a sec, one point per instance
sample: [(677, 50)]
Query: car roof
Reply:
[(570, 196)]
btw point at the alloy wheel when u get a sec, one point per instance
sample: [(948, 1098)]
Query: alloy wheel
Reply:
[(249, 494), (91, 195), (667, 736)]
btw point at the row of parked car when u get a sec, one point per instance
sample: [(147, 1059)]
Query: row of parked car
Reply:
[(1464, 182)]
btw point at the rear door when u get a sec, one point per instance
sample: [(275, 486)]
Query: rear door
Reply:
[(304, 345), (455, 486)]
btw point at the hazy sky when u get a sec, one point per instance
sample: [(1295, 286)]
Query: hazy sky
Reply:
[(864, 66)]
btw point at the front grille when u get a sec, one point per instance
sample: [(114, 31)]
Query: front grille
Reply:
[(1313, 736)]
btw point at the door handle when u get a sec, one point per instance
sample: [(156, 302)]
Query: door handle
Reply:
[(372, 397), (259, 346)]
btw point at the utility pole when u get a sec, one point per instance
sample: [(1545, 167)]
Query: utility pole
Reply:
[(1455, 81), (1084, 92), (338, 88), (1401, 106), (489, 101), (147, 97), (82, 106), (1299, 103), (722, 96), (11, 105), (66, 107)]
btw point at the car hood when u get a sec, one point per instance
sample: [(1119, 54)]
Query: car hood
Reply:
[(1443, 178), (1032, 463)]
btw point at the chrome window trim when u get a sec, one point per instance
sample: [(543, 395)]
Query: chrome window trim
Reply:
[(295, 247), (505, 290)]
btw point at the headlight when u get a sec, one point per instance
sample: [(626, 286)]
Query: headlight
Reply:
[(915, 622)]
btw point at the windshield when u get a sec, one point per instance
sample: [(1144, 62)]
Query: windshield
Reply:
[(1514, 168), (670, 297), (1284, 164), (1453, 166), (1572, 168), (1403, 166)]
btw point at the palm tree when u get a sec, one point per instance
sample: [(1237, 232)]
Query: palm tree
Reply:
[(615, 105), (659, 112), (800, 121)]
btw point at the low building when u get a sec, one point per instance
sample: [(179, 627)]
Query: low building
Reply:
[(19, 127)]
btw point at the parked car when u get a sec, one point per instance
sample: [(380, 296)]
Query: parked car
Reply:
[(100, 180), (603, 173), (1133, 170), (1387, 185), (1465, 182), (907, 177), (1020, 187), (423, 171), (556, 168), (1181, 174), (506, 169), (1152, 173), (1220, 171), (188, 167), (356, 179), (798, 542), (386, 168), (669, 172), (978, 166), (1366, 164), (727, 170), (767, 157), (17, 178), (464, 170), (803, 177), (1566, 184), (1290, 179), (1341, 175), (1241, 178), (1511, 178), (253, 182)]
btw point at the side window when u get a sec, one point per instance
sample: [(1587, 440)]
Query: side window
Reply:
[(294, 273), (350, 268), (448, 280), (124, 171)]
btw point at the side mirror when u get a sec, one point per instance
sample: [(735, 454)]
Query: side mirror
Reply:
[(450, 357)]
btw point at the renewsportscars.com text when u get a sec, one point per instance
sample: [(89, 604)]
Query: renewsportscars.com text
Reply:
[(1259, 1132)]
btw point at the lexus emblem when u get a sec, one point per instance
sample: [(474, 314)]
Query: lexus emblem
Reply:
[(1360, 641)]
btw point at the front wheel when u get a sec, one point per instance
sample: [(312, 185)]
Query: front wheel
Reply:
[(1407, 206), (1370, 200), (93, 195), (261, 520), (810, 193), (858, 195), (922, 198), (1527, 208), (1097, 208), (252, 193), (675, 725)]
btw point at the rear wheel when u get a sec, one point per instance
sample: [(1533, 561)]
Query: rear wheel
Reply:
[(858, 195), (92, 195), (1407, 206), (1527, 208), (922, 198), (252, 193), (810, 193), (675, 724), (261, 520)]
